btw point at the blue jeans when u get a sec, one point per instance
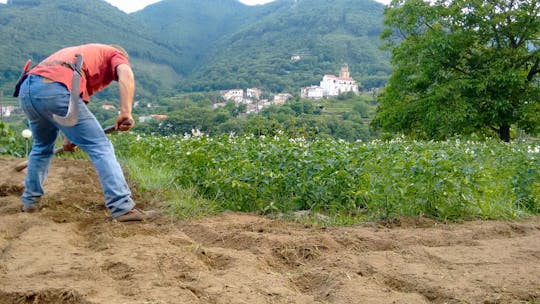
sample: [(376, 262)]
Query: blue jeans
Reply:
[(39, 99)]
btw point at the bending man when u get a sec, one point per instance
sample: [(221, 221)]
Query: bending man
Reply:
[(46, 91)]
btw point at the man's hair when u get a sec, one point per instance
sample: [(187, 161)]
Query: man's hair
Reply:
[(121, 49)]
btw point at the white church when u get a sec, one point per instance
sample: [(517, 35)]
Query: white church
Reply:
[(331, 86)]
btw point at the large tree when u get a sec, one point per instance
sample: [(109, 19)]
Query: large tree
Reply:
[(461, 66)]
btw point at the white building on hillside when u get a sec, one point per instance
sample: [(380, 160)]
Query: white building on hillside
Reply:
[(333, 86), (254, 93), (6, 110), (312, 92)]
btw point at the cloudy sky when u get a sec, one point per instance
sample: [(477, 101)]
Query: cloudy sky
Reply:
[(130, 6)]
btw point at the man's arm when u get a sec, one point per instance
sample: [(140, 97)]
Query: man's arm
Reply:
[(126, 87)]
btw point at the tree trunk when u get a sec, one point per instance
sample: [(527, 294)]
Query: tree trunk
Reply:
[(504, 133)]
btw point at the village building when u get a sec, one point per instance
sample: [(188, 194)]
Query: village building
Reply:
[(252, 99), (254, 93), (257, 107), (218, 105), (159, 116), (153, 117), (312, 92), (237, 95), (332, 86), (280, 99), (295, 58), (108, 107), (6, 110)]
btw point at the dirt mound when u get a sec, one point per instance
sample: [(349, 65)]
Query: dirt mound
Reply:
[(44, 296), (71, 252)]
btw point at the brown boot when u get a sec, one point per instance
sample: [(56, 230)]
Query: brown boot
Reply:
[(137, 215), (30, 208)]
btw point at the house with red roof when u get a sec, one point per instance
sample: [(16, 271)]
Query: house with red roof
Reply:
[(333, 86)]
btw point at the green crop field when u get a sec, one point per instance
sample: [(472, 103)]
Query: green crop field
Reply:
[(343, 181)]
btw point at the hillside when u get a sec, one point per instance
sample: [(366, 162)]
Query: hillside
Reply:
[(323, 34), (32, 29), (190, 45), (195, 26)]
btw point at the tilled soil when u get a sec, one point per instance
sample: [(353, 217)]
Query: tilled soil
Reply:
[(71, 252)]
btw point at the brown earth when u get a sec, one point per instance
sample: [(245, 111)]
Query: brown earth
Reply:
[(71, 252)]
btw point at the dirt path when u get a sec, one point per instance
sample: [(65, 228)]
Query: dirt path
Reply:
[(71, 252)]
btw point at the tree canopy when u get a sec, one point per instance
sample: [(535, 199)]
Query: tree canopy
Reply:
[(462, 66)]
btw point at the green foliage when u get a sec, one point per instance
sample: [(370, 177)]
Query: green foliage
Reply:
[(192, 26), (444, 180), (204, 45), (462, 66), (325, 34), (9, 143), (157, 184), (187, 120), (35, 30), (345, 117)]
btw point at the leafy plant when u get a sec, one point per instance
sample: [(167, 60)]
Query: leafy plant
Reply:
[(351, 181), (9, 144)]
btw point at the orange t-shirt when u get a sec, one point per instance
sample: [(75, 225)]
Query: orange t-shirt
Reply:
[(99, 67)]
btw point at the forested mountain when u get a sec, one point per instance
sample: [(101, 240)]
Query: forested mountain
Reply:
[(200, 45), (234, 45), (32, 29), (196, 26), (296, 43)]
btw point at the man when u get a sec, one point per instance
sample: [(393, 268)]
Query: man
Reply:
[(46, 91)]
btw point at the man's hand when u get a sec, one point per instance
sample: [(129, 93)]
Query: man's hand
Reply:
[(68, 145), (124, 122)]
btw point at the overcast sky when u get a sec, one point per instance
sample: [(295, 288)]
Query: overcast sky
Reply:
[(130, 6)]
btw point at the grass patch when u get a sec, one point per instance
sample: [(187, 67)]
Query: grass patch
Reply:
[(156, 184)]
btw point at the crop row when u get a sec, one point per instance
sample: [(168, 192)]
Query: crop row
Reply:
[(364, 180)]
